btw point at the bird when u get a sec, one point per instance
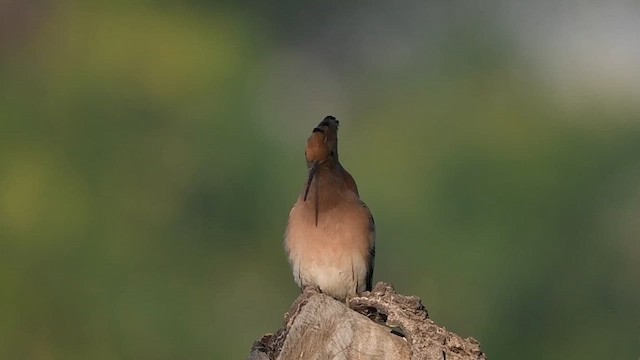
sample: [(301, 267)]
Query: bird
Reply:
[(330, 234)]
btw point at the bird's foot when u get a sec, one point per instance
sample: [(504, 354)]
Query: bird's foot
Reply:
[(311, 289)]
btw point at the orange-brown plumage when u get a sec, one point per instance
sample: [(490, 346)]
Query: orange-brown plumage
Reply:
[(330, 237)]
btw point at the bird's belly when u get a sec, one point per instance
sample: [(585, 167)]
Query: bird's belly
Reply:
[(338, 269), (336, 280)]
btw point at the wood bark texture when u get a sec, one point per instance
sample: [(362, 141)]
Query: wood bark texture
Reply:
[(375, 325)]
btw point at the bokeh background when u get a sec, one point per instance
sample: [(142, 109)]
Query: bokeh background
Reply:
[(150, 152)]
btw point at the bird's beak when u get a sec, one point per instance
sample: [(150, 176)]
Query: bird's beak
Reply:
[(312, 172)]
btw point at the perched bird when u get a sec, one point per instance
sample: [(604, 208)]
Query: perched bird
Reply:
[(330, 236)]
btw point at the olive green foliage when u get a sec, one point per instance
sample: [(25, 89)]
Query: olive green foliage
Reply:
[(150, 153)]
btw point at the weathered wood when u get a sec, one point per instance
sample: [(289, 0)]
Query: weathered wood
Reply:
[(319, 327)]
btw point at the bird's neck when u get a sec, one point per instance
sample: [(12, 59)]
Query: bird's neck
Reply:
[(328, 187)]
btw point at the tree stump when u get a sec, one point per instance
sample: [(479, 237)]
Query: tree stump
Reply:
[(375, 325)]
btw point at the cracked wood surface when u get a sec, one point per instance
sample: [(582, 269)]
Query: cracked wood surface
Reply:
[(375, 325)]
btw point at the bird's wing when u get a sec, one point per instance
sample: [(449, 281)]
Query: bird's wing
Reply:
[(372, 248)]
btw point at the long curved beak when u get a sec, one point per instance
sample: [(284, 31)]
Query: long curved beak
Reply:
[(312, 173)]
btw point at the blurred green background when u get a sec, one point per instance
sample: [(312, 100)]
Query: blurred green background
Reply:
[(150, 152)]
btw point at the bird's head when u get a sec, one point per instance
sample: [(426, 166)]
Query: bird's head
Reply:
[(322, 148)]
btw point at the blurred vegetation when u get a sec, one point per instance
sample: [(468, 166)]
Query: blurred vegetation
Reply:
[(150, 153)]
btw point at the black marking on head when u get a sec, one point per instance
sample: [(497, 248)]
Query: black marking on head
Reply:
[(327, 121), (318, 130)]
